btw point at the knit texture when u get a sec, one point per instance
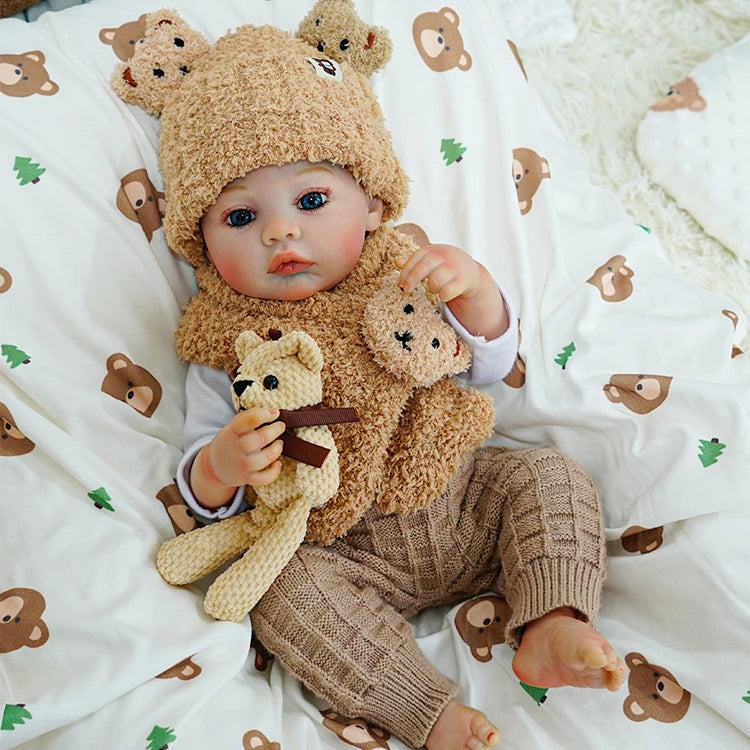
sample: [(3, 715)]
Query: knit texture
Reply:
[(272, 104), (409, 440), (523, 524)]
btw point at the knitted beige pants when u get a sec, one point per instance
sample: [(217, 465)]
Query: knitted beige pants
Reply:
[(524, 524)]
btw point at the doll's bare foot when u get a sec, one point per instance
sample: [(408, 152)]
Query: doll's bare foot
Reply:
[(559, 649), (460, 727)]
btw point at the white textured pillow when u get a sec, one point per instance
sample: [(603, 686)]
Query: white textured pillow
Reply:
[(696, 143)]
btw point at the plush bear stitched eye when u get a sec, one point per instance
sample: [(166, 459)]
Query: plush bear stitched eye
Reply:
[(179, 42), (435, 344), (344, 45), (270, 382), (158, 72), (408, 309)]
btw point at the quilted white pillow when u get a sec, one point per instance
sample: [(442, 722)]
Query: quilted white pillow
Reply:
[(696, 142)]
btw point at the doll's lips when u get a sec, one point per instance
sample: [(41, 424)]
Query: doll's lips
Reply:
[(285, 264)]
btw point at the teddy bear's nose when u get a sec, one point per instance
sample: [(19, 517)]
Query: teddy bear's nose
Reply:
[(240, 386)]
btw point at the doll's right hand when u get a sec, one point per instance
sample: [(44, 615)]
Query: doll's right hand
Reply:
[(242, 452)]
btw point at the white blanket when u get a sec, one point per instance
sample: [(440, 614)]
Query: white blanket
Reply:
[(623, 364)]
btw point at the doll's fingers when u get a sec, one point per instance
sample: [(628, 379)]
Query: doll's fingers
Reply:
[(250, 420), (418, 267), (266, 476)]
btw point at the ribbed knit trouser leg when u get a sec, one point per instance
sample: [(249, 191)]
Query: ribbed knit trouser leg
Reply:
[(525, 524)]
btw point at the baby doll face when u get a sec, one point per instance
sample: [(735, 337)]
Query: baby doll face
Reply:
[(288, 232)]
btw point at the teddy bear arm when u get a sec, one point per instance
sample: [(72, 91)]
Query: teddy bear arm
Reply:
[(440, 427), (319, 484)]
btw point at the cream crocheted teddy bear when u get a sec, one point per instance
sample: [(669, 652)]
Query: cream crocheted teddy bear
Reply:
[(283, 373)]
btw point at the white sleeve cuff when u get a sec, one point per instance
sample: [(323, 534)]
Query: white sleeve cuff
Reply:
[(490, 360), (234, 506)]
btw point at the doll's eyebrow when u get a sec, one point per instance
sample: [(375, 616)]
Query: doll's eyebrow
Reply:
[(314, 168)]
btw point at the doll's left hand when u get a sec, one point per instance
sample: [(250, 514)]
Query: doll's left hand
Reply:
[(461, 282)]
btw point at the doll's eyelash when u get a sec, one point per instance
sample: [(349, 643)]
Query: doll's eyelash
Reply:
[(324, 191)]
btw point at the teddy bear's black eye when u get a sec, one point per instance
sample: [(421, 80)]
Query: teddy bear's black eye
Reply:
[(435, 344), (179, 42), (317, 22), (158, 72), (408, 309), (270, 382), (321, 46), (344, 45)]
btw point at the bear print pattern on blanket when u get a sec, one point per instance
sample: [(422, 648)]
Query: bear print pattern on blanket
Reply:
[(622, 364)]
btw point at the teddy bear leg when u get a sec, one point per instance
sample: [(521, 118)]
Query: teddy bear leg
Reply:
[(237, 590), (188, 557)]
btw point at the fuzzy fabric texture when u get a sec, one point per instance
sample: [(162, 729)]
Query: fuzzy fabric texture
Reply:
[(273, 103), (409, 440), (598, 89), (334, 29)]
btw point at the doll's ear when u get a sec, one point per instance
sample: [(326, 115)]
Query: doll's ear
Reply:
[(161, 60)]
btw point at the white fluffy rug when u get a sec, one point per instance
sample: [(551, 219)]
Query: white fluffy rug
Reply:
[(626, 55)]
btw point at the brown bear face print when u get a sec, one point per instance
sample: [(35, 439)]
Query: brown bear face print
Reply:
[(12, 441), (131, 383), (439, 41), (638, 539), (356, 732), (529, 169), (123, 38), (481, 624), (21, 621), (683, 95), (138, 200), (639, 393), (613, 279), (187, 669), (256, 740), (654, 692), (180, 515), (25, 74), (6, 280), (735, 320)]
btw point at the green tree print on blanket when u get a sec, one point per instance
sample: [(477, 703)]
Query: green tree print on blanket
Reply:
[(26, 172)]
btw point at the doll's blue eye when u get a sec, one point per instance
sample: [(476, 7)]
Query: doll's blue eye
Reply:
[(311, 201), (240, 217)]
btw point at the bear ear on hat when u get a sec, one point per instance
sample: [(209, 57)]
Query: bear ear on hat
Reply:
[(160, 61), (335, 30)]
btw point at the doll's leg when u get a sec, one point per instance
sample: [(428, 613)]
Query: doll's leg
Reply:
[(327, 623), (552, 552), (551, 542)]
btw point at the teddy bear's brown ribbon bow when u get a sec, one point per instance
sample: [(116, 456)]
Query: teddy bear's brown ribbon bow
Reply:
[(310, 416)]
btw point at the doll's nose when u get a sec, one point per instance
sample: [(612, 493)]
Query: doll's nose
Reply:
[(278, 228)]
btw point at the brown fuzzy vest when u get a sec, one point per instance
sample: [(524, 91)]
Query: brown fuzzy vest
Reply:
[(409, 440)]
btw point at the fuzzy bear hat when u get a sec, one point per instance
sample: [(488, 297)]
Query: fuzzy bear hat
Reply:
[(258, 97)]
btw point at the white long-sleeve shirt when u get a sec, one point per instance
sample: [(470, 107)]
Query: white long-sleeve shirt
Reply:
[(210, 407)]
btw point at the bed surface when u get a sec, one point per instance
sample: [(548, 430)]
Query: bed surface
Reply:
[(632, 359)]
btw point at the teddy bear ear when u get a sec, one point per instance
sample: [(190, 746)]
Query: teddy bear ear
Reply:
[(308, 351), (160, 61), (245, 343), (334, 29)]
